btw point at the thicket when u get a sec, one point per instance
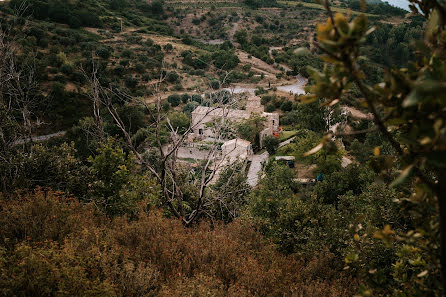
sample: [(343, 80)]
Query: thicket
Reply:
[(52, 244)]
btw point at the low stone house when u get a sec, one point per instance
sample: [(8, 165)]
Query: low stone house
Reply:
[(203, 116)]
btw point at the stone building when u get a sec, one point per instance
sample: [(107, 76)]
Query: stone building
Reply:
[(237, 148), (203, 116)]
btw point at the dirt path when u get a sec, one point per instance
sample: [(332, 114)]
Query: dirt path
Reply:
[(40, 138), (258, 64), (232, 32)]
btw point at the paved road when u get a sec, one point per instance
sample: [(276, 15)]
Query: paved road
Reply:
[(256, 166)]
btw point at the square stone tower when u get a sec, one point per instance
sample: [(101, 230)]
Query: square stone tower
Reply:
[(254, 105)]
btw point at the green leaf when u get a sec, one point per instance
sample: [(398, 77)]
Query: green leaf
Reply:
[(314, 150), (412, 99), (352, 257), (432, 23), (402, 177), (301, 51)]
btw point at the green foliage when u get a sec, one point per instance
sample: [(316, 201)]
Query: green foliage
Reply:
[(173, 77), (174, 100), (180, 122), (260, 3), (271, 144), (115, 189), (185, 98), (304, 141), (408, 100), (286, 106), (225, 60), (380, 8), (231, 190), (55, 167), (311, 116), (250, 129), (353, 178)]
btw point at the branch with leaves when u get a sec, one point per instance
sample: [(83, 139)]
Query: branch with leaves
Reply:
[(408, 107)]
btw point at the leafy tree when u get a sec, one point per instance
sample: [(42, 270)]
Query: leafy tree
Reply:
[(115, 189), (408, 100), (104, 52), (286, 106), (311, 116), (174, 100), (185, 98), (225, 60), (197, 98), (250, 129), (172, 77), (271, 144), (231, 190), (179, 121), (190, 107), (241, 37)]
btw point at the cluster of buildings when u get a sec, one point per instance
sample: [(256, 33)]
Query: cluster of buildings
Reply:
[(204, 118)]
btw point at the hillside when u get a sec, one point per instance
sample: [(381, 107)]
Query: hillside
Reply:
[(221, 148)]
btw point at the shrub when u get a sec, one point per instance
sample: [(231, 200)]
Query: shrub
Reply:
[(174, 100), (104, 52), (271, 144), (215, 84), (172, 77), (185, 98), (270, 107), (197, 98), (131, 82), (148, 256), (265, 99), (286, 106)]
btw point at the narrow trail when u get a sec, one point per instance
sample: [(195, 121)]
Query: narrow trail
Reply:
[(40, 138)]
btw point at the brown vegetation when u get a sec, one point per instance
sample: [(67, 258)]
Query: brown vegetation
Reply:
[(55, 245)]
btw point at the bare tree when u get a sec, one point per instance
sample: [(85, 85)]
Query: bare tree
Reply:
[(18, 96), (168, 172)]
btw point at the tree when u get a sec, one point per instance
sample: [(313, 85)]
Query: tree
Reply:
[(407, 100), (173, 77), (250, 129), (176, 182), (271, 144), (179, 121), (225, 60), (286, 106), (185, 98), (115, 190), (174, 100), (19, 98), (231, 190), (311, 116)]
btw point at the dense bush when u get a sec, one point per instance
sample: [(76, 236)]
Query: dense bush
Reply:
[(150, 256), (271, 143), (174, 100)]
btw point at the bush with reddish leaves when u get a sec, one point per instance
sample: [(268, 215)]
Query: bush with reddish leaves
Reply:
[(52, 245)]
